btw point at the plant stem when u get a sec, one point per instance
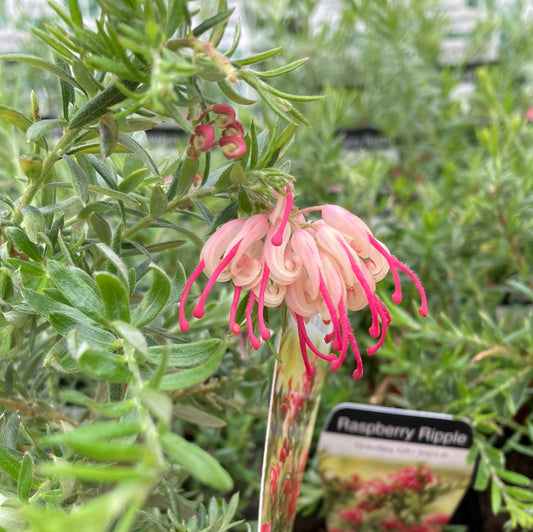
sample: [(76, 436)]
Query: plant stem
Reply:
[(68, 136)]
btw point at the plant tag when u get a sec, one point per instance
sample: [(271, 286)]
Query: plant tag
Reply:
[(392, 469), (294, 404)]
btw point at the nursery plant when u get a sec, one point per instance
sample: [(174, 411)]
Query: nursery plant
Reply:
[(129, 400)]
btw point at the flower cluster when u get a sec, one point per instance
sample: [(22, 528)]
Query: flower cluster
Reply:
[(396, 503), (325, 267), (231, 137)]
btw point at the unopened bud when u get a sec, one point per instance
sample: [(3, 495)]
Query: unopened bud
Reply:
[(108, 134), (35, 107), (31, 164)]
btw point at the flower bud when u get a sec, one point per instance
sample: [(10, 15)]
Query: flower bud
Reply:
[(31, 164), (232, 147)]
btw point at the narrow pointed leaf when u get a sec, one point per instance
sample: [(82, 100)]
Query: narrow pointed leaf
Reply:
[(188, 378), (196, 461), (154, 300), (80, 180), (23, 244), (79, 288), (15, 118), (115, 296), (104, 366), (42, 64), (25, 478), (184, 355)]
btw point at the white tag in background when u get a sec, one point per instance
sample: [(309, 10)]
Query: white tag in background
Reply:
[(391, 469)]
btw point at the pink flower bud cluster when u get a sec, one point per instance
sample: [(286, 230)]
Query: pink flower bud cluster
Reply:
[(325, 267), (231, 138)]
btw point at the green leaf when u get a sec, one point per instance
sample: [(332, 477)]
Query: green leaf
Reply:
[(482, 476), (232, 94), (104, 451), (116, 261), (184, 355), (132, 181), (79, 178), (104, 365), (136, 148), (154, 300), (104, 64), (75, 13), (109, 131), (42, 64), (101, 227), (9, 463), (23, 244), (158, 202), (209, 23), (159, 404), (94, 431), (196, 461), (6, 333), (197, 417), (25, 478), (175, 15), (93, 473), (34, 222), (132, 335), (100, 105), (187, 173), (113, 409), (514, 477), (259, 57), (79, 288), (15, 118), (519, 493), (68, 324), (115, 296), (188, 378), (11, 431), (60, 359), (495, 498), (84, 77), (38, 129), (282, 70), (114, 194), (228, 213)]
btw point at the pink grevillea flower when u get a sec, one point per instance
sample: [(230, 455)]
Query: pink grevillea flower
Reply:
[(202, 140), (231, 138), (232, 147), (326, 267)]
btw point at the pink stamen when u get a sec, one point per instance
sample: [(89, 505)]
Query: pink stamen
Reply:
[(397, 296), (265, 333), (423, 310), (256, 343), (332, 313), (277, 239), (199, 310), (370, 296), (394, 265), (303, 345), (385, 322), (348, 337), (358, 372), (233, 325), (314, 350), (345, 325), (184, 324)]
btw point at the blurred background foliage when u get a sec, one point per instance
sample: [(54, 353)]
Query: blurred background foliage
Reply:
[(424, 133)]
